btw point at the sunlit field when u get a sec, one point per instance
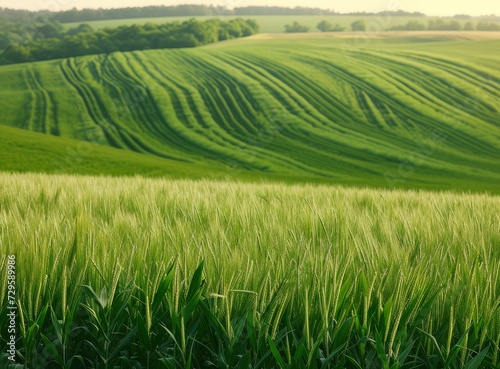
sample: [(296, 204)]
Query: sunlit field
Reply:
[(278, 201), (156, 273), (414, 112)]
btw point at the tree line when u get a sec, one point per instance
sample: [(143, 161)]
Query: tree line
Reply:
[(51, 41), (442, 25), (88, 15), (433, 25)]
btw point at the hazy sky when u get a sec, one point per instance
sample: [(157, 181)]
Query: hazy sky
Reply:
[(431, 7)]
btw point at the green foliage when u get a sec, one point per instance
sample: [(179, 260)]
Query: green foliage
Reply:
[(87, 15), (296, 27), (488, 26), (326, 26), (82, 28), (442, 25), (358, 26), (410, 26), (469, 26), (49, 41), (17, 32), (49, 30), (154, 273)]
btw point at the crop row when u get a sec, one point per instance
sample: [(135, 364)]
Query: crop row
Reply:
[(314, 111)]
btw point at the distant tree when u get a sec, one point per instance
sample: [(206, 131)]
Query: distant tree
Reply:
[(485, 26), (78, 45), (436, 24), (82, 28), (49, 30), (183, 40), (82, 40), (415, 26), (410, 26), (5, 39), (210, 31), (325, 26), (87, 15), (246, 28), (359, 25), (150, 27), (16, 32), (278, 10), (441, 25), (468, 26), (454, 26), (234, 29), (45, 49), (16, 54), (224, 33), (253, 25), (296, 27)]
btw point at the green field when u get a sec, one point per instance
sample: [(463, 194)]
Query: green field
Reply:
[(294, 276), (276, 23), (30, 152), (23, 151), (281, 201), (420, 112)]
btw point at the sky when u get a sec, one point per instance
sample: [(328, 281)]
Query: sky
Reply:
[(430, 7)]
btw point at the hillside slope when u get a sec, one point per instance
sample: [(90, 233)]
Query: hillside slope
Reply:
[(395, 111), (23, 151)]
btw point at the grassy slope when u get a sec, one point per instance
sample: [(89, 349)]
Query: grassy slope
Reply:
[(22, 151), (276, 24), (32, 152), (395, 111)]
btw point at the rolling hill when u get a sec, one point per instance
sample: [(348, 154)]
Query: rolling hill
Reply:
[(398, 111), (24, 151), (32, 152)]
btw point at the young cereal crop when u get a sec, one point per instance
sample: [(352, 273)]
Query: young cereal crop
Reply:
[(419, 112), (152, 273)]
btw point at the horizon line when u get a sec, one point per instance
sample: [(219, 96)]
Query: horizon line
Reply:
[(250, 6)]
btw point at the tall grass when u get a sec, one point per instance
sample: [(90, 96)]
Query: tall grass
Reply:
[(174, 274)]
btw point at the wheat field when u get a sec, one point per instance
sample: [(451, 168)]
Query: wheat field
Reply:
[(401, 111), (155, 273)]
